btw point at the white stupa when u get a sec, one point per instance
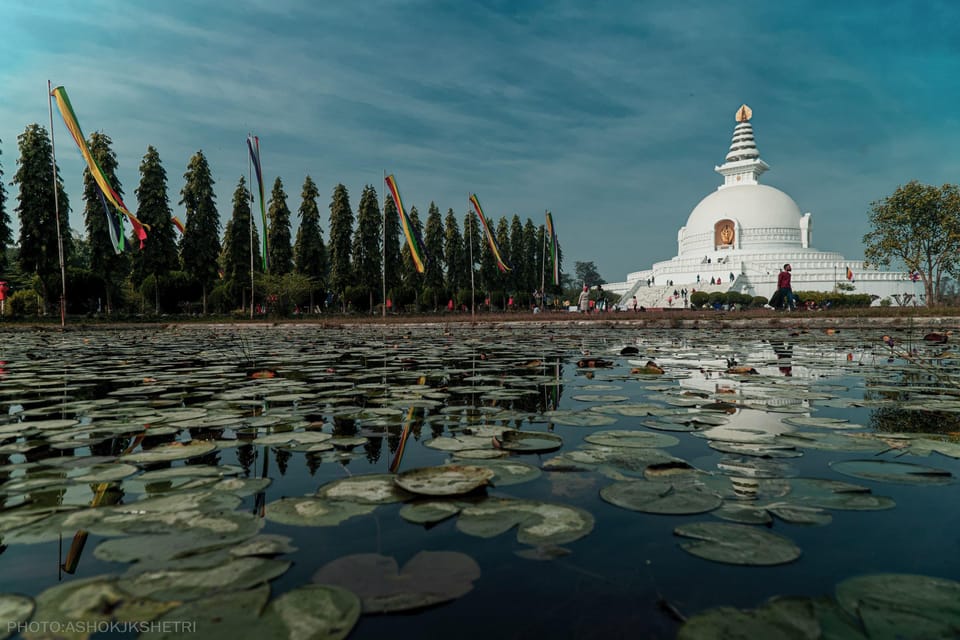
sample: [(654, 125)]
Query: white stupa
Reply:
[(743, 233)]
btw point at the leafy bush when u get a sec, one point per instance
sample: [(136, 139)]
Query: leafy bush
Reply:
[(822, 298), (22, 303), (699, 298)]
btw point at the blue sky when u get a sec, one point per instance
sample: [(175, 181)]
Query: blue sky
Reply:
[(610, 114)]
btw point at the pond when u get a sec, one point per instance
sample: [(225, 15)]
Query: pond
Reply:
[(552, 480)]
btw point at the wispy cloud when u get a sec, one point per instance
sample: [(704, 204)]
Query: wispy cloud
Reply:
[(612, 115)]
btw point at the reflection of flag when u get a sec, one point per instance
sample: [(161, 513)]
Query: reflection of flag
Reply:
[(554, 248), (849, 274), (491, 239)]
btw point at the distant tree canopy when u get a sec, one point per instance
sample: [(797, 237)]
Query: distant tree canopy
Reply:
[(212, 264), (919, 226), (586, 272)]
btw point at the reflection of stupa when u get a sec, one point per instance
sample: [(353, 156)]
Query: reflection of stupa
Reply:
[(743, 233)]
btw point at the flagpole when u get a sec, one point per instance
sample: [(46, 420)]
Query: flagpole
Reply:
[(473, 295), (250, 181), (56, 210), (383, 253), (543, 266)]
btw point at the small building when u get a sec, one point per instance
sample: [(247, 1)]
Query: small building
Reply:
[(742, 234)]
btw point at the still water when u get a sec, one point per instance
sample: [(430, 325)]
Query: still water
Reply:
[(743, 415)]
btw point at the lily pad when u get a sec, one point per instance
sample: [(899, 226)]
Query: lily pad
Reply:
[(737, 544), (529, 441), (314, 611), (429, 578), (430, 512), (365, 489), (314, 512), (445, 480), (661, 497), (192, 584), (579, 418), (509, 472), (891, 471), (14, 609), (893, 605), (789, 618), (628, 438), (172, 451), (538, 523)]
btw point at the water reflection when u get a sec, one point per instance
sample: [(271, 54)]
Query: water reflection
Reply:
[(401, 388)]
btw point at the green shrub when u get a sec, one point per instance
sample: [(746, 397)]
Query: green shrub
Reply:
[(22, 304), (699, 298)]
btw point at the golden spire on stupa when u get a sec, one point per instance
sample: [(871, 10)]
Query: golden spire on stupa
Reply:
[(744, 113)]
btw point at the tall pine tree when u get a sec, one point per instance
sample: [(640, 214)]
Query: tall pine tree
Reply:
[(517, 277), (455, 262), (159, 254), (106, 265), (433, 245), (392, 264), (237, 245), (6, 234), (200, 247), (341, 228), (473, 244), (278, 238), (366, 244), (39, 250), (309, 252), (532, 257), (412, 280)]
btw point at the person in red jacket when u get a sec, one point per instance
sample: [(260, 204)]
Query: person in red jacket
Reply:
[(784, 289)]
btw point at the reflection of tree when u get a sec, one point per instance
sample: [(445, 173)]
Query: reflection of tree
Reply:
[(313, 463), (373, 446), (246, 455), (282, 456), (895, 419), (344, 427)]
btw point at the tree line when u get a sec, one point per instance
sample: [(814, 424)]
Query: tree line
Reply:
[(205, 272)]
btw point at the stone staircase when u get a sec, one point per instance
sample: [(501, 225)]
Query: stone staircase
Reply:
[(658, 296)]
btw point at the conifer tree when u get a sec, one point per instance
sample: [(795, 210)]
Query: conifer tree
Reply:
[(532, 258), (411, 278), (200, 247), (366, 244), (309, 252), (504, 279), (278, 238), (159, 254), (433, 245), (106, 265), (6, 234), (517, 278), (237, 242), (391, 252), (341, 228), (453, 252), (39, 250), (473, 243)]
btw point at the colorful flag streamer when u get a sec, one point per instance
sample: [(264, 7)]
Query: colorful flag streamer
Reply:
[(554, 248), (491, 240), (179, 225), (70, 119), (849, 274), (114, 225), (253, 144), (413, 236), (407, 428)]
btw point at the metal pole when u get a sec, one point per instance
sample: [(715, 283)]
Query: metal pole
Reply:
[(383, 253), (473, 295), (56, 209), (250, 179)]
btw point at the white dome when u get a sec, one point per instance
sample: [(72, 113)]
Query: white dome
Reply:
[(764, 216)]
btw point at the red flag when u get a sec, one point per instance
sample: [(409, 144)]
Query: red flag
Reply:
[(849, 274)]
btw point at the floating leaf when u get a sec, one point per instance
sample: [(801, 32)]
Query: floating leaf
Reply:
[(313, 612), (429, 578), (191, 584), (624, 438), (661, 497), (896, 605), (737, 544), (445, 480), (314, 512), (890, 471), (14, 610), (364, 489), (790, 618), (171, 451), (539, 522), (529, 441)]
